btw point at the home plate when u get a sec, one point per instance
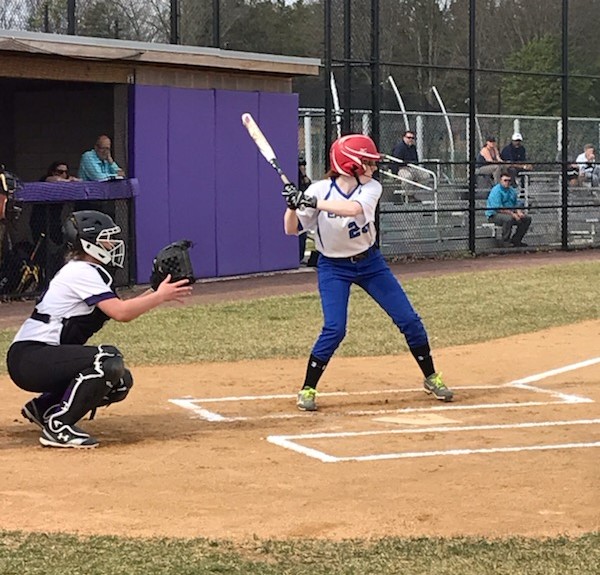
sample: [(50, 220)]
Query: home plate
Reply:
[(420, 419)]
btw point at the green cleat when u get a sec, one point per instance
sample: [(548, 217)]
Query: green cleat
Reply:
[(307, 399), (435, 386)]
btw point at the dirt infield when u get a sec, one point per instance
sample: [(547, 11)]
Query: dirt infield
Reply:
[(516, 453)]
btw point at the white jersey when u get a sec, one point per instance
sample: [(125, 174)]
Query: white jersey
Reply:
[(337, 236), (67, 311)]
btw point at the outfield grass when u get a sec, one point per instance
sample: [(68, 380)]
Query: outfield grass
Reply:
[(41, 554), (457, 309)]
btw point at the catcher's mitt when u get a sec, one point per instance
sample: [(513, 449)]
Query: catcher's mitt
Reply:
[(173, 259)]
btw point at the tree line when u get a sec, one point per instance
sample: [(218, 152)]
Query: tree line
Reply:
[(423, 43)]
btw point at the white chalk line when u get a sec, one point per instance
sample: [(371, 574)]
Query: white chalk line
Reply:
[(213, 416), (457, 452), (321, 394), (439, 429), (557, 371), (195, 404), (289, 441)]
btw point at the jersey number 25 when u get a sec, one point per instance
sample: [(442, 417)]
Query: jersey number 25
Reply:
[(354, 231)]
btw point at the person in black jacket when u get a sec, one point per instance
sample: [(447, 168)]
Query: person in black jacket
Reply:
[(406, 151), (515, 155)]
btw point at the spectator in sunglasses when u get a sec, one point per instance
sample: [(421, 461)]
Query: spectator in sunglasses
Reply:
[(406, 151), (59, 172)]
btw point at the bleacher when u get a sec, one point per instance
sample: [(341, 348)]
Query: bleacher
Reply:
[(436, 221)]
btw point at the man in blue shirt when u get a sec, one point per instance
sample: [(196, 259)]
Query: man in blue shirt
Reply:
[(97, 164), (504, 209)]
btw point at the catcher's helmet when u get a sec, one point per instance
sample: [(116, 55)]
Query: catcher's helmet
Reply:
[(94, 232), (349, 153)]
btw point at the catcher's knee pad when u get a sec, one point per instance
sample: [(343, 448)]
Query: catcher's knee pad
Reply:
[(120, 390), (109, 364)]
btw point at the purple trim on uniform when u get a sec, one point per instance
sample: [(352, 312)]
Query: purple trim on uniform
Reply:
[(95, 299), (331, 186), (319, 233), (347, 196)]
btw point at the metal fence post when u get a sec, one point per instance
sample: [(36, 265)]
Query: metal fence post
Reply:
[(175, 37), (472, 118), (216, 24), (565, 122), (326, 79), (46, 18), (71, 17)]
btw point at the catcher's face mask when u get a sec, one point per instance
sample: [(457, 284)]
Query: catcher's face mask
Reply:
[(107, 249)]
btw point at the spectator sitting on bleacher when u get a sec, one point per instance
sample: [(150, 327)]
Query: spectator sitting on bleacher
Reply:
[(59, 172), (589, 170), (505, 209), (406, 151), (45, 223), (515, 154), (98, 164), (489, 160)]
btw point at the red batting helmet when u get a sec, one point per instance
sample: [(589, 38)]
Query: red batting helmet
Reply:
[(349, 152)]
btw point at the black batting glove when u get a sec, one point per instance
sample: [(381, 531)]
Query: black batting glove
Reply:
[(307, 201), (292, 195)]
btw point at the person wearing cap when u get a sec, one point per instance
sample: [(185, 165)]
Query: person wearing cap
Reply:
[(489, 160), (515, 154), (506, 210)]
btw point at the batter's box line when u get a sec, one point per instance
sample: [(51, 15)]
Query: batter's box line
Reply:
[(213, 416), (524, 382), (290, 441), (195, 404)]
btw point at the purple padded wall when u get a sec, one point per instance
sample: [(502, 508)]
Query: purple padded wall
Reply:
[(192, 175), (278, 119), (237, 189), (202, 178), (149, 158)]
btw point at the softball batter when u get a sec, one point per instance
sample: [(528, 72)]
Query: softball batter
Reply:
[(340, 210), (48, 355)]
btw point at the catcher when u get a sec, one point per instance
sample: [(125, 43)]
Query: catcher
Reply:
[(48, 355)]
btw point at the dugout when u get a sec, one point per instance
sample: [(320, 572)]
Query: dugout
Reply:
[(173, 113)]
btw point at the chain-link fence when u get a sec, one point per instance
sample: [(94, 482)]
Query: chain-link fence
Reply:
[(437, 217), (32, 248), (442, 140), (423, 44)]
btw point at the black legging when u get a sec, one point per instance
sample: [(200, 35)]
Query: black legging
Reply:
[(39, 367)]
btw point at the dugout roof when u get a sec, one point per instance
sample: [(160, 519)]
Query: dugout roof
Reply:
[(38, 55)]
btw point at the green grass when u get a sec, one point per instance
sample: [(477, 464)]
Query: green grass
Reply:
[(43, 554), (457, 309)]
